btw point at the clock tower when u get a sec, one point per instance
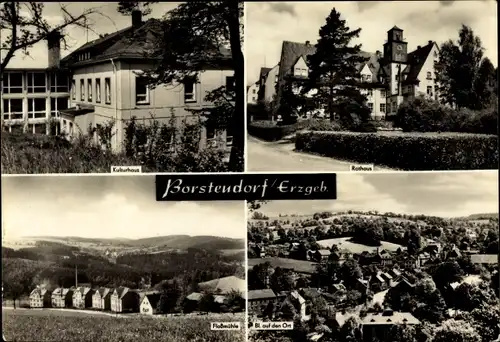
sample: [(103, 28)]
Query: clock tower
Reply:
[(395, 60)]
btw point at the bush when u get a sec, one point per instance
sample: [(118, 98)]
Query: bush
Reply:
[(424, 115), (270, 131), (406, 151)]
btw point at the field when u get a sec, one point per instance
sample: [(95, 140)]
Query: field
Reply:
[(54, 325), (356, 248), (300, 266)]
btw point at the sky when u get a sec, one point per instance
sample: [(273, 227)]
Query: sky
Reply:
[(108, 21), (444, 194), (269, 24), (109, 207)]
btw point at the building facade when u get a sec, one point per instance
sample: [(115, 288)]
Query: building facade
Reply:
[(387, 79), (40, 298), (101, 299), (253, 93)]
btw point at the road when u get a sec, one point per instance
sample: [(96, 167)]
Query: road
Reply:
[(280, 156)]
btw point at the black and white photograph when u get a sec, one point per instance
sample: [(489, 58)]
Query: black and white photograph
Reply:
[(86, 86), (391, 85), (97, 258), (400, 257)]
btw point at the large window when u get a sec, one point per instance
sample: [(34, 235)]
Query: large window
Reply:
[(107, 90), (57, 104), (12, 109), (37, 108), (429, 90), (98, 90), (370, 105), (89, 89), (12, 82), (58, 83), (382, 107), (141, 90), (73, 89), (189, 91), (37, 82), (82, 90)]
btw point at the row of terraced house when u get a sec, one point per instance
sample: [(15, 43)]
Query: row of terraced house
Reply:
[(101, 82)]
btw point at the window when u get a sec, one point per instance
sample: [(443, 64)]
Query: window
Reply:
[(73, 89), (365, 78), (12, 109), (303, 72), (57, 104), (435, 54), (37, 82), (388, 108), (230, 86), (82, 90), (89, 89), (40, 129), (429, 75), (370, 92), (211, 136), (107, 90), (370, 105), (141, 90), (58, 83), (382, 107), (13, 83), (98, 90), (429, 90), (37, 108), (254, 91), (189, 91), (383, 93)]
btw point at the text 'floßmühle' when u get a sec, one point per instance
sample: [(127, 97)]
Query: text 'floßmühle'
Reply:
[(247, 187)]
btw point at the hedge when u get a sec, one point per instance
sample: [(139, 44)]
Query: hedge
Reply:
[(406, 151), (270, 131)]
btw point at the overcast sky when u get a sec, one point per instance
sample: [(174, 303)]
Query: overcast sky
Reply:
[(445, 194), (109, 207), (269, 24), (108, 21)]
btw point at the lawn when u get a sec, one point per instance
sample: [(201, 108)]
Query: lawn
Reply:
[(357, 248), (53, 325), (300, 266)]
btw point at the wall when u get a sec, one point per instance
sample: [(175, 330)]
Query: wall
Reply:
[(422, 76), (252, 93), (146, 307), (270, 83)]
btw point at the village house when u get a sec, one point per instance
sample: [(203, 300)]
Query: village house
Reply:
[(40, 298), (300, 305), (62, 297), (124, 300), (321, 255), (377, 325), (388, 79), (378, 282), (82, 297), (101, 299), (149, 304)]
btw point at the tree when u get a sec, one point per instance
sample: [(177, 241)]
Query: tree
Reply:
[(350, 272), (464, 78), (333, 71), (456, 331), (193, 36), (23, 24), (486, 321), (207, 303)]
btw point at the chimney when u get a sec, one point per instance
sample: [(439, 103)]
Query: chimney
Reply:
[(419, 47), (54, 49), (307, 43), (136, 18), (430, 42)]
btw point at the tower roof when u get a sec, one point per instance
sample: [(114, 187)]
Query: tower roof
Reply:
[(395, 28)]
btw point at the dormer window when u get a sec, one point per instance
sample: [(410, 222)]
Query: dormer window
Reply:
[(429, 75)]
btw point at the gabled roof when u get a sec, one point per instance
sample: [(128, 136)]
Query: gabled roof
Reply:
[(484, 258), (264, 72), (261, 294), (195, 296), (103, 291), (121, 291), (416, 60), (153, 299), (295, 295), (324, 252), (389, 319), (38, 291)]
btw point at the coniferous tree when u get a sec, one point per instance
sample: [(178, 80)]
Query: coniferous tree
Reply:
[(333, 72)]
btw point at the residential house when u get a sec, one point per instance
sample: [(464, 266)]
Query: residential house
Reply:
[(484, 259), (253, 93), (192, 301), (107, 85), (322, 255), (300, 305), (124, 300), (377, 325), (385, 257), (62, 297), (82, 297), (451, 253), (40, 298), (34, 91), (423, 258), (258, 300), (387, 79), (362, 285), (378, 282), (101, 299), (396, 274), (149, 304), (267, 83)]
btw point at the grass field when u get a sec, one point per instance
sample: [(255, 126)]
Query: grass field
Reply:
[(74, 326), (300, 266), (356, 248)]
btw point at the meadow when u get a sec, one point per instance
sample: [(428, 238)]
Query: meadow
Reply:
[(357, 248), (56, 325), (300, 266)]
